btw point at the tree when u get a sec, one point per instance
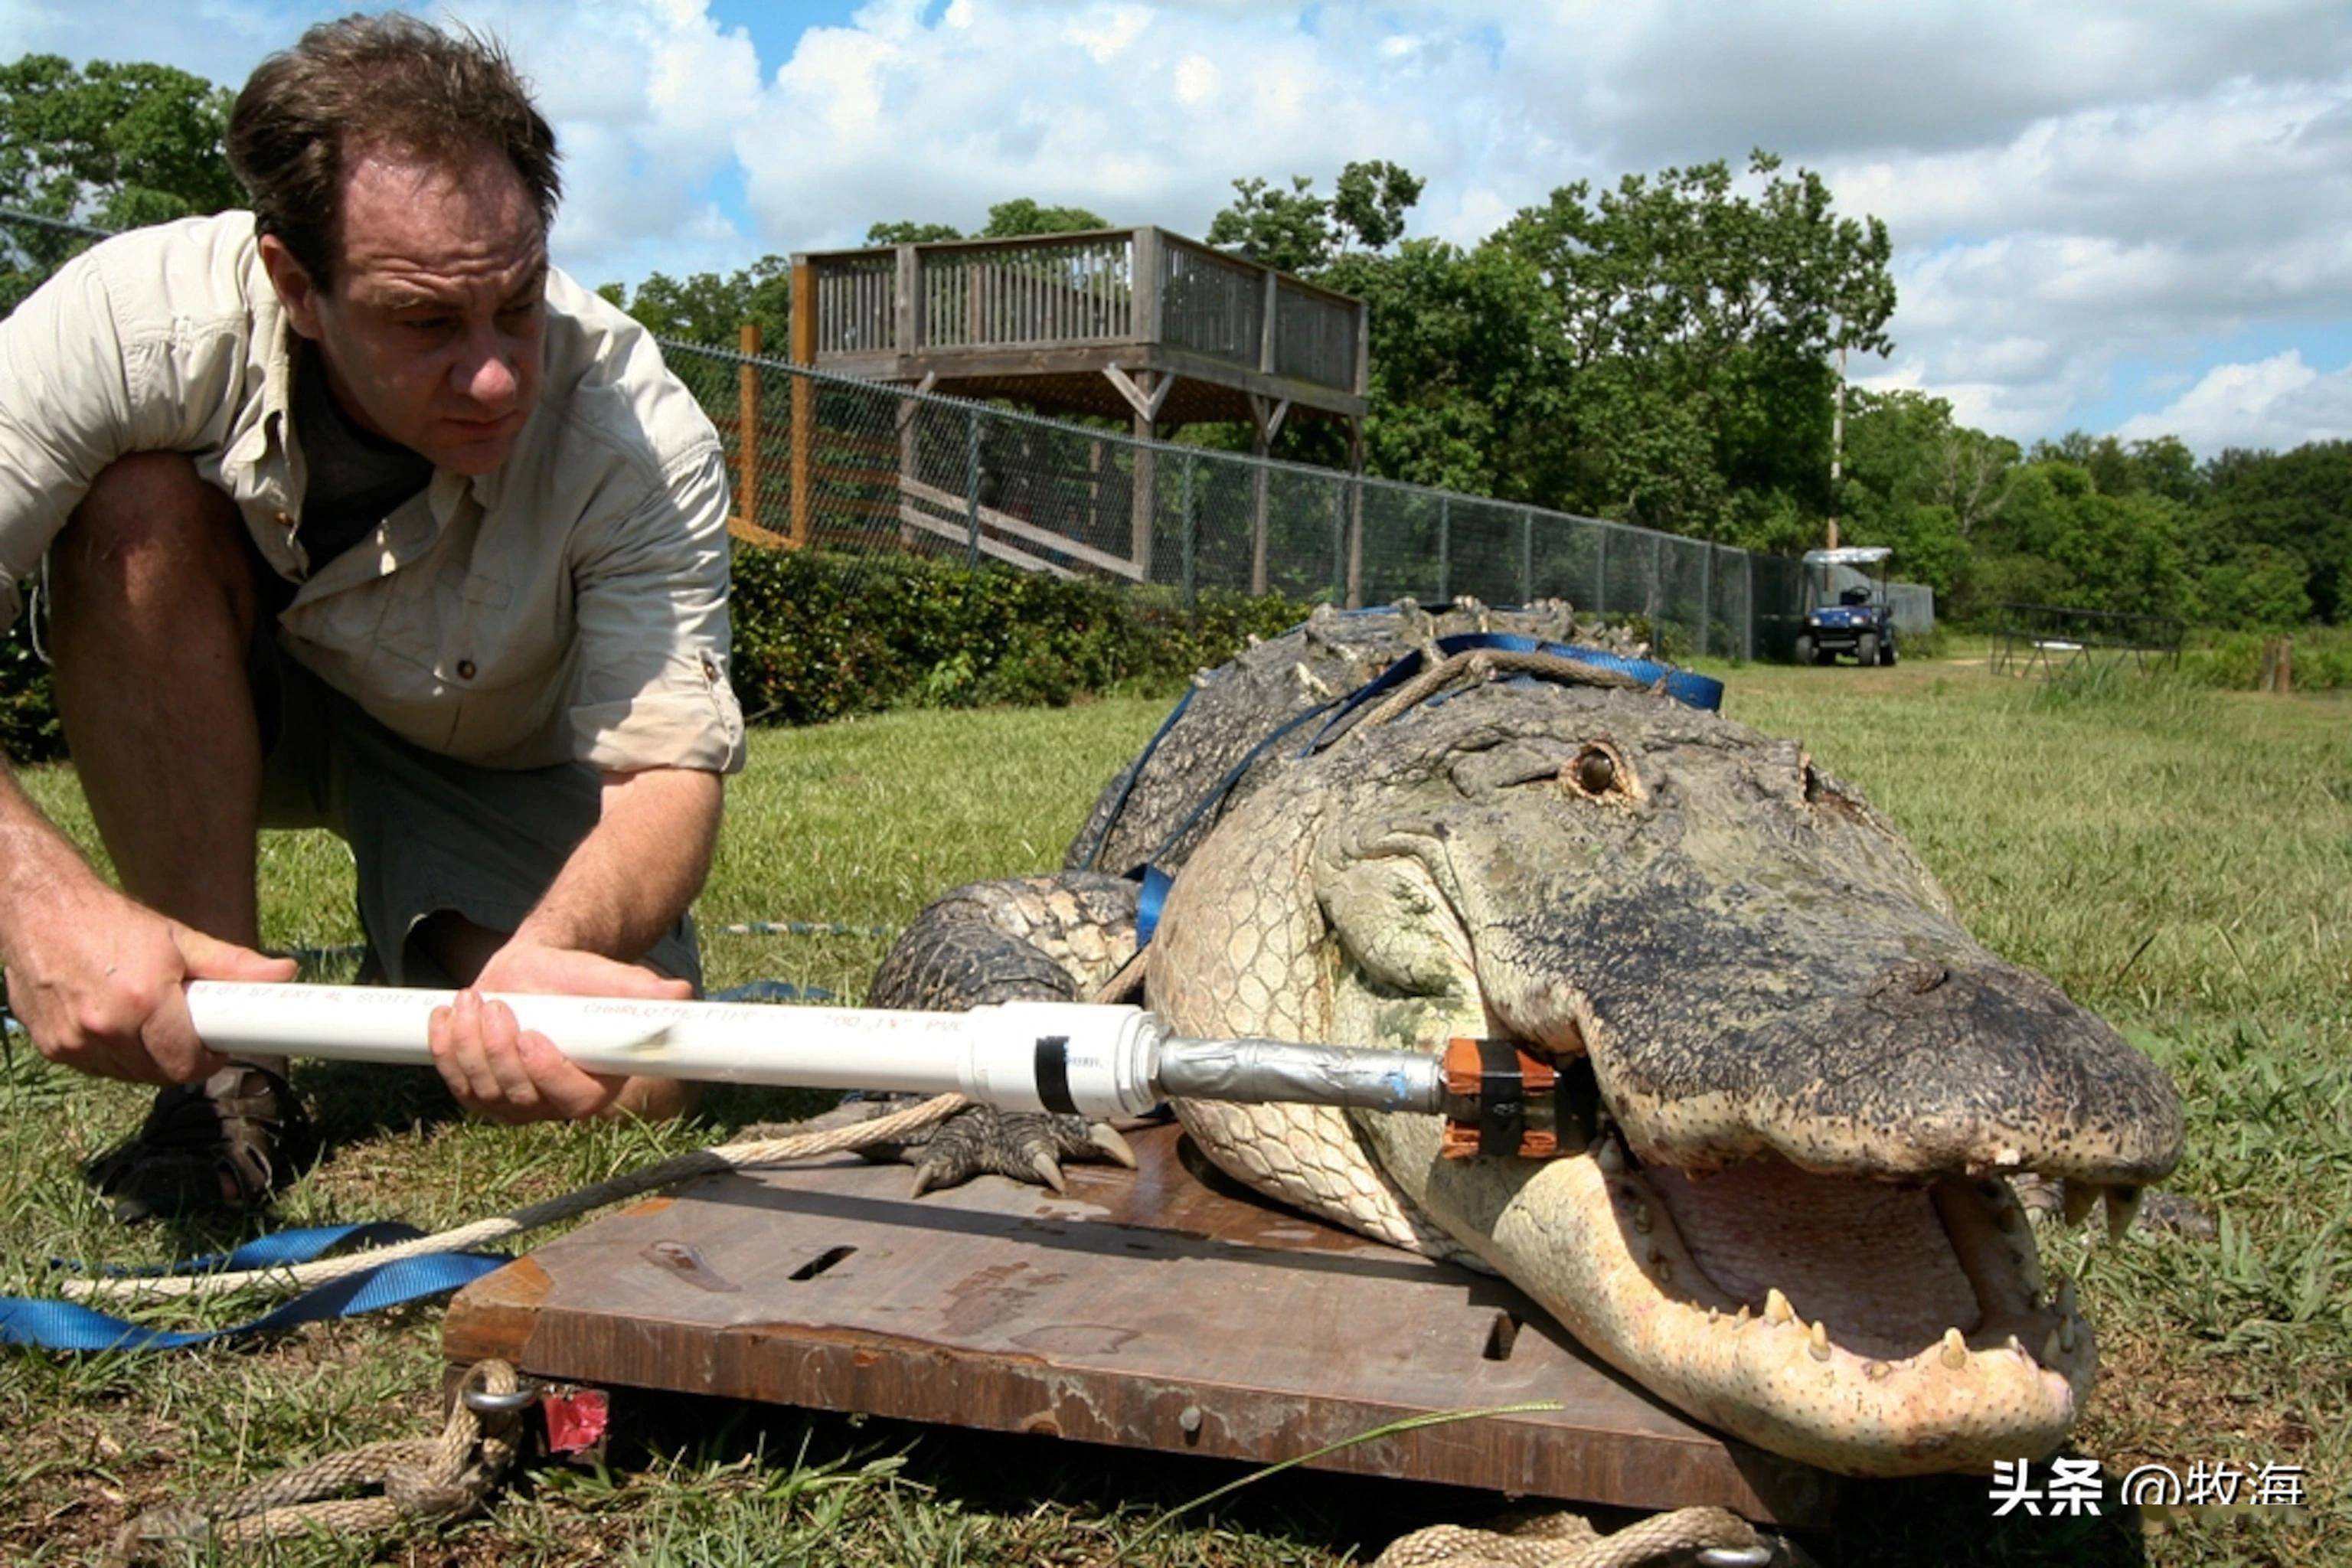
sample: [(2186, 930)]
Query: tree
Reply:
[(1676, 299), (906, 233), (1015, 219), (2299, 502), (1298, 231), (113, 146), (1458, 397), (707, 309), (1021, 216)]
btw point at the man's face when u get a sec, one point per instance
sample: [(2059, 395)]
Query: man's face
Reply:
[(432, 327)]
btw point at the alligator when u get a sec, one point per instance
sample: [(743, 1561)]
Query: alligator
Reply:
[(1796, 1221)]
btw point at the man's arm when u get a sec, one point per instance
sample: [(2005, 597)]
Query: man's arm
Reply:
[(96, 977), (621, 891)]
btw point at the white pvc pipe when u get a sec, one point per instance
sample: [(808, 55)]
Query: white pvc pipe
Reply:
[(1106, 1056)]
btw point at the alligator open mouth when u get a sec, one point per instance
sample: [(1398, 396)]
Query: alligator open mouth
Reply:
[(1904, 1300), (1870, 1326)]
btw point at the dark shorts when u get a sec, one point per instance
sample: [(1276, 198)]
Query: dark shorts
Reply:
[(428, 834)]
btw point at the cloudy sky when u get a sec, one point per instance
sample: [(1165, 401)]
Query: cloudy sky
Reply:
[(2106, 215)]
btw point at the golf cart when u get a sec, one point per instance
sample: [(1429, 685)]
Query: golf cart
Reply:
[(1860, 621)]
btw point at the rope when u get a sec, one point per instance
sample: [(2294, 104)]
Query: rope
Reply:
[(481, 1233), (417, 1479), (1482, 662), (1564, 1540)]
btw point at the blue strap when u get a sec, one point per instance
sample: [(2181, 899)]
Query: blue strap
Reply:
[(1156, 883), (279, 1249), (71, 1326), (1126, 781)]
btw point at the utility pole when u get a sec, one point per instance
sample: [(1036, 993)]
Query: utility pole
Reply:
[(1837, 446)]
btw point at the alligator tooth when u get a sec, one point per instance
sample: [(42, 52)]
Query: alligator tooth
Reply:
[(2051, 1349), (2123, 1207), (1776, 1309), (1611, 1158), (1108, 1139), (1820, 1341), (2080, 1199), (1741, 1316), (1956, 1350), (1712, 1314), (1642, 1220), (1664, 1266), (2016, 1344)]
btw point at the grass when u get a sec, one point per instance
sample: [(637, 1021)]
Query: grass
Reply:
[(2179, 858)]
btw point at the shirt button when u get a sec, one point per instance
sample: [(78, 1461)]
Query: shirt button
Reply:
[(464, 669)]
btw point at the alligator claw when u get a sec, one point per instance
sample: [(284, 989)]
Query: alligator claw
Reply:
[(1022, 1146)]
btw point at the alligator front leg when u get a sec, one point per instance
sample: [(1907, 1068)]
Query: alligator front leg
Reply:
[(1026, 939)]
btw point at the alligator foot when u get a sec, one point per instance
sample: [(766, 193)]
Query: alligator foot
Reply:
[(1026, 1146)]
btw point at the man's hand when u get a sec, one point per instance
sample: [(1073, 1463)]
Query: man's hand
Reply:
[(96, 979), (494, 1065)]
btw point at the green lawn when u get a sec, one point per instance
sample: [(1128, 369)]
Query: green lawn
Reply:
[(2179, 858)]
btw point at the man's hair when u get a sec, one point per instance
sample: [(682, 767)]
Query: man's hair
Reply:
[(377, 82)]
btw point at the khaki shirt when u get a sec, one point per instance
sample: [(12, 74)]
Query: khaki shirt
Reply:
[(571, 604)]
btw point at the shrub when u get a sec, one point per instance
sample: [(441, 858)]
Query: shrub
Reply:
[(2323, 659), (821, 633)]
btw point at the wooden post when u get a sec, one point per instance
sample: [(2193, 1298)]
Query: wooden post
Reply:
[(1144, 283), (972, 487), (2277, 673), (1267, 329), (1192, 592), (1145, 470), (747, 412), (1363, 356), (1267, 414), (803, 353), (906, 324), (1259, 482)]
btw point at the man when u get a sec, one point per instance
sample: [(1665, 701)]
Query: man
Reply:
[(357, 514)]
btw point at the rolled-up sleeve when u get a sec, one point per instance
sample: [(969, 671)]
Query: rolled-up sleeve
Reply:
[(651, 598), (67, 410)]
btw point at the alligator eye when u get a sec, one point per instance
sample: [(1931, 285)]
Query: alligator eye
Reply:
[(1596, 772)]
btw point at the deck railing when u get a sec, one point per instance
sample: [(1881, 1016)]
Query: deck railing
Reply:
[(1139, 287)]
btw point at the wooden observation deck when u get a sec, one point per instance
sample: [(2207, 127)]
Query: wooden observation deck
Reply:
[(1129, 322)]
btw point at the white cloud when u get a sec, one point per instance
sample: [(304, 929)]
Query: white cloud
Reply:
[(2279, 402), (2068, 189)]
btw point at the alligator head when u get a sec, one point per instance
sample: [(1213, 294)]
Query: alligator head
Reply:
[(1794, 1223)]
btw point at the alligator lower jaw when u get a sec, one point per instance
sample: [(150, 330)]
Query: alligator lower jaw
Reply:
[(1906, 1334)]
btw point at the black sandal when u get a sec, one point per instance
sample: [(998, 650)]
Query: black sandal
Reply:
[(225, 1144)]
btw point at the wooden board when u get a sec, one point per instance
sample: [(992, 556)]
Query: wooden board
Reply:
[(1164, 1309)]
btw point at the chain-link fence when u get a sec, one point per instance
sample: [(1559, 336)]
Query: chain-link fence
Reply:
[(835, 463), (825, 460)]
